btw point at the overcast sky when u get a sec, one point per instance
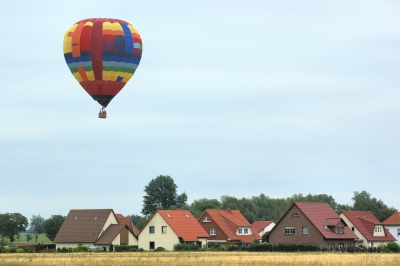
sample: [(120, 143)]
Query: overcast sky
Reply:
[(230, 98)]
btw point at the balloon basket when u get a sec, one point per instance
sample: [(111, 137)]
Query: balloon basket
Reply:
[(103, 113)]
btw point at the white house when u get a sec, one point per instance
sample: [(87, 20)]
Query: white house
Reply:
[(392, 224)]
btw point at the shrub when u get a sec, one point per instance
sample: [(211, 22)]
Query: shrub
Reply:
[(232, 248), (14, 250), (125, 248), (80, 248), (391, 247), (64, 250), (181, 247), (159, 249)]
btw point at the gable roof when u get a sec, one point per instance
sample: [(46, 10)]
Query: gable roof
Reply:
[(321, 215), (183, 224), (111, 232), (229, 221), (365, 222), (260, 225), (393, 219), (128, 221), (82, 226)]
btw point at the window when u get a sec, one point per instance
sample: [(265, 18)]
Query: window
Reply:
[(341, 245), (342, 230), (76, 218), (206, 220), (330, 246), (295, 214), (246, 231), (398, 231), (240, 231), (213, 232), (337, 230), (163, 229), (95, 218), (305, 230), (243, 231), (289, 231), (152, 245), (378, 229), (151, 229), (352, 228), (187, 216)]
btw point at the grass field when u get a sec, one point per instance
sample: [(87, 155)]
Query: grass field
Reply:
[(199, 258), (41, 239)]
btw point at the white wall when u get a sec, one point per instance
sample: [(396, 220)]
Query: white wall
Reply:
[(393, 230), (166, 241)]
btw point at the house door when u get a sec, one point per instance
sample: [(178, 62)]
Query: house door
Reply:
[(151, 245)]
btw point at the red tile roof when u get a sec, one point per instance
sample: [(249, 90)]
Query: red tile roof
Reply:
[(394, 219), (260, 225), (365, 222), (229, 221), (128, 221), (184, 224), (321, 215)]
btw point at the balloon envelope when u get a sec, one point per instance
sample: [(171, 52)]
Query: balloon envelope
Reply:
[(103, 55)]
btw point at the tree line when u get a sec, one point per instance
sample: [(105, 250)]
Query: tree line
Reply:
[(161, 193), (13, 224)]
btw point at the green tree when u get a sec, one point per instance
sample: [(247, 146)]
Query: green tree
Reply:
[(36, 224), (28, 237), (264, 207), (161, 195), (199, 206), (246, 206), (364, 202), (139, 221), (52, 225), (36, 237), (11, 224)]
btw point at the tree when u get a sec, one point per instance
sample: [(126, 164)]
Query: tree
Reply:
[(28, 237), (199, 206), (364, 202), (36, 237), (52, 225), (36, 224), (11, 224), (139, 221), (246, 206), (161, 195)]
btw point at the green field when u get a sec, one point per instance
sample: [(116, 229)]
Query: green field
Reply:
[(41, 239)]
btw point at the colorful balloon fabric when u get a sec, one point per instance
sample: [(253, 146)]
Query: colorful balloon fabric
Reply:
[(103, 55)]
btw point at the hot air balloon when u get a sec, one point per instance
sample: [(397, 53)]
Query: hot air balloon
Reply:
[(103, 55)]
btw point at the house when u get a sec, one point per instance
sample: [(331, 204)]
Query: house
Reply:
[(369, 230), (392, 224), (261, 227), (166, 228), (228, 227), (98, 229), (312, 223)]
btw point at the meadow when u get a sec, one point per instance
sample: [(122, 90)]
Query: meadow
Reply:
[(41, 239), (200, 258)]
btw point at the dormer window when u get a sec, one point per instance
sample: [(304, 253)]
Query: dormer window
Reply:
[(378, 229), (206, 220), (243, 231), (295, 214)]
